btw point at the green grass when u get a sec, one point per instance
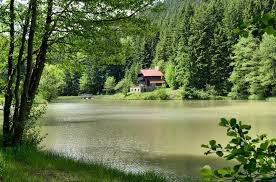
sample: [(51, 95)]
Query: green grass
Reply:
[(1, 99), (159, 94), (272, 99), (32, 165)]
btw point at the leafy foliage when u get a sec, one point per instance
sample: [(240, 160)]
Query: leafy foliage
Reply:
[(254, 68), (170, 75), (109, 84), (256, 157), (32, 136), (52, 82)]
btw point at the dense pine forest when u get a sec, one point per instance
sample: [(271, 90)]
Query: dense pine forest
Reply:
[(204, 47), (201, 46)]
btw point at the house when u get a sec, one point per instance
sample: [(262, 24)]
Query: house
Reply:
[(148, 80)]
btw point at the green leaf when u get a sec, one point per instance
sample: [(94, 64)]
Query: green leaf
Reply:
[(212, 142), (246, 127), (219, 153), (235, 141), (232, 133), (233, 122), (207, 173), (241, 159), (204, 146), (223, 122), (264, 145)]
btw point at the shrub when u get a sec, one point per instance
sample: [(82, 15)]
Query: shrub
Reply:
[(123, 86), (256, 157), (192, 93), (161, 94), (109, 84), (256, 97), (31, 136), (149, 96)]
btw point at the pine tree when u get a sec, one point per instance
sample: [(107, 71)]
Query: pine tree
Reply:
[(206, 20)]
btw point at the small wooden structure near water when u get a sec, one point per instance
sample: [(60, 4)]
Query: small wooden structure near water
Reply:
[(86, 96)]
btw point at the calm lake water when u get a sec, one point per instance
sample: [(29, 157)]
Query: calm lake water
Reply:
[(149, 135)]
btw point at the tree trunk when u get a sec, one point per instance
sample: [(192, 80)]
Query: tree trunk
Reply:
[(25, 100), (33, 75), (18, 68), (9, 90)]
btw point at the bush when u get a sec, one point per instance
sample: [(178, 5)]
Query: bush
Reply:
[(123, 86), (31, 136), (256, 97), (161, 94), (109, 84), (256, 157), (192, 93)]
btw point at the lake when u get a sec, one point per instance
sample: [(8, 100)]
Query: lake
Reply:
[(138, 136)]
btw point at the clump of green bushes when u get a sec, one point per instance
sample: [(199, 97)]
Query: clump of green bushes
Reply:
[(255, 157), (193, 93), (32, 136), (159, 94)]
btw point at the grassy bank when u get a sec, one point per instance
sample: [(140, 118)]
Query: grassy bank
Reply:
[(31, 165), (159, 94), (163, 94), (1, 99)]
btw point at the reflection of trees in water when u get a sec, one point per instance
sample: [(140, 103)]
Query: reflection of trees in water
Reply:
[(156, 135)]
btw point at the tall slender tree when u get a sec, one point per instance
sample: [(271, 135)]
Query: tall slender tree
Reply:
[(48, 23)]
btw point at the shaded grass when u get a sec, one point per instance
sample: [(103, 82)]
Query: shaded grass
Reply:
[(272, 99), (158, 94), (31, 165), (1, 99)]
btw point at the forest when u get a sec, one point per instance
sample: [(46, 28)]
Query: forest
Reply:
[(205, 48), (217, 47)]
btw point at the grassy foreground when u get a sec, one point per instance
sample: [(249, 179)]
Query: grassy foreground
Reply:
[(31, 165), (1, 99)]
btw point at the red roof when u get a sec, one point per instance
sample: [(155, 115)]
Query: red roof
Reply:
[(151, 72)]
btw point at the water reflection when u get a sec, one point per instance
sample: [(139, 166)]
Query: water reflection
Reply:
[(147, 135)]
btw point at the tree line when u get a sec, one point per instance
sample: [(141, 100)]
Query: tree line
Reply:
[(197, 44)]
